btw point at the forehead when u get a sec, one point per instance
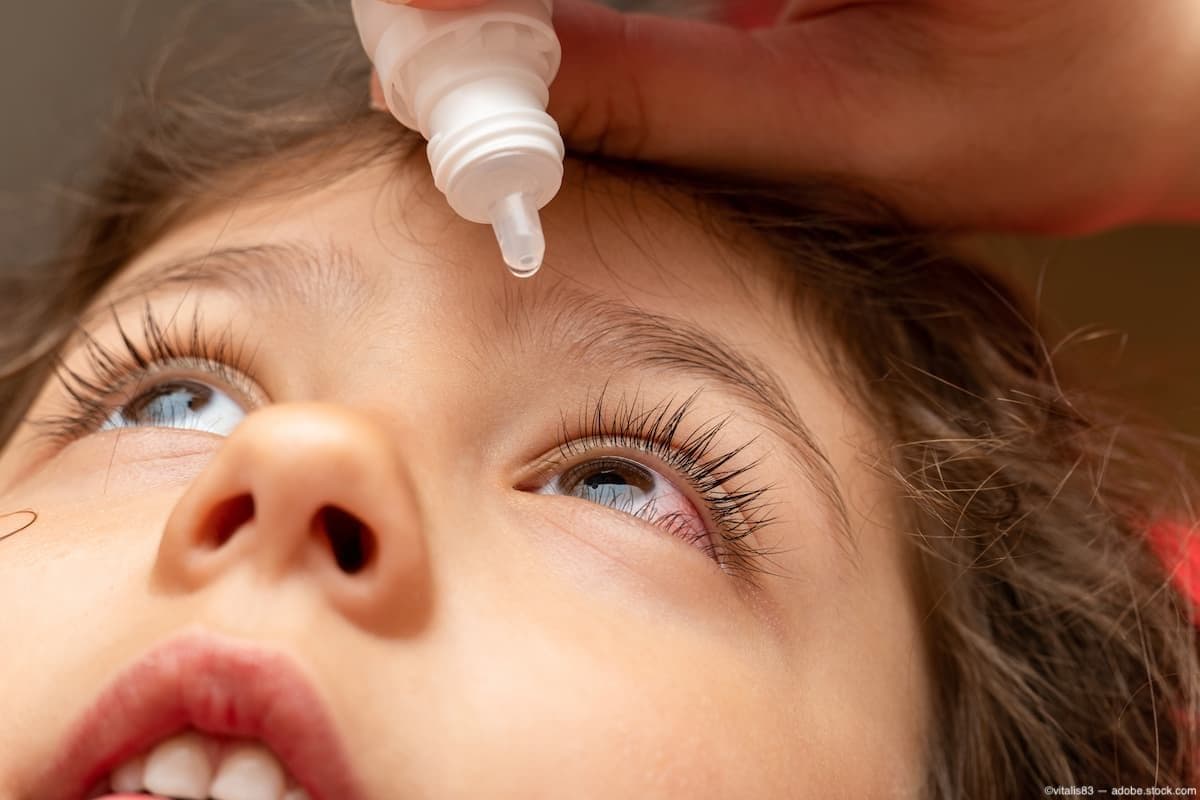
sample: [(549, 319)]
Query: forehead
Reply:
[(642, 274), (608, 235)]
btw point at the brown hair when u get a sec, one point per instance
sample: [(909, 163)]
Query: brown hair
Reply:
[(1062, 653)]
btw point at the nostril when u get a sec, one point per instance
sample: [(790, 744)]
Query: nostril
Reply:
[(227, 517), (349, 538)]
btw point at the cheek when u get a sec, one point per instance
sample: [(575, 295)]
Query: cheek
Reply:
[(93, 523), (861, 665), (66, 574), (74, 579), (602, 715), (72, 594), (615, 706), (104, 469), (81, 548)]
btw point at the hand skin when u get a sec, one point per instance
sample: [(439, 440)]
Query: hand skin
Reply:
[(1046, 116)]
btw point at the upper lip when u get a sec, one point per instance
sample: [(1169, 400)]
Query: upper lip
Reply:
[(212, 684)]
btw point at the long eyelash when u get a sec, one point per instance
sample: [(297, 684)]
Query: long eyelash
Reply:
[(738, 508), (112, 372), (739, 511)]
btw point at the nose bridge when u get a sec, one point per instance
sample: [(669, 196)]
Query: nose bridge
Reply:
[(315, 491)]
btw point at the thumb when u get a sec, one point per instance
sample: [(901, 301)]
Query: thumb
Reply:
[(437, 5), (695, 93), (686, 92)]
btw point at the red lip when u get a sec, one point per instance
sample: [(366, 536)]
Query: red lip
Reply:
[(211, 684)]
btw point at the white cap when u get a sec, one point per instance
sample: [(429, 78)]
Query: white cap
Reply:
[(475, 83)]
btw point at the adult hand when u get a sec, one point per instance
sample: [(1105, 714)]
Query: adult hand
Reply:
[(1061, 116)]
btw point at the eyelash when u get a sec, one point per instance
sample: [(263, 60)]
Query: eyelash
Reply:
[(655, 430), (116, 372), (737, 512)]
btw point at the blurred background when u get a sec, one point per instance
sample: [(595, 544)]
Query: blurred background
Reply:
[(1128, 302)]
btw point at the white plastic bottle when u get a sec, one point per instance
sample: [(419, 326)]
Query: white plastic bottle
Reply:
[(475, 83)]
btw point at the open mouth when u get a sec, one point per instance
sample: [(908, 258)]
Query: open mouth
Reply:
[(204, 717), (197, 766)]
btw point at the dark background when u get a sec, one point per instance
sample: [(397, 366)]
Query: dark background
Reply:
[(1131, 296)]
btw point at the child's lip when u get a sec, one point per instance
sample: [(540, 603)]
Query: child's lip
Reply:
[(212, 684)]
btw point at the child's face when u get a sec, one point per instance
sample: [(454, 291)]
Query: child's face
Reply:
[(500, 641)]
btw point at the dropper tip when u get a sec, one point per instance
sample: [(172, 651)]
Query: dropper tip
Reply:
[(519, 231)]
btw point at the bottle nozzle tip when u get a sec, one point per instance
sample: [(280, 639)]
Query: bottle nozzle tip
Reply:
[(519, 232)]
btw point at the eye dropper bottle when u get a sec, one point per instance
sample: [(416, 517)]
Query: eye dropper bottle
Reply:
[(475, 83)]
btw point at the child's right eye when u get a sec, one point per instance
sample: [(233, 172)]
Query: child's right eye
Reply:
[(182, 403), (151, 384)]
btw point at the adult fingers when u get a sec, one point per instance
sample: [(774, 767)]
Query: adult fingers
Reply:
[(841, 92), (693, 93), (440, 5), (851, 91), (671, 90)]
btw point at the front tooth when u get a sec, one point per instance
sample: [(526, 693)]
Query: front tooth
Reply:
[(179, 767), (128, 777), (249, 771)]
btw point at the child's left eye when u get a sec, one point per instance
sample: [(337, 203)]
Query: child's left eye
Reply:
[(635, 489), (183, 403)]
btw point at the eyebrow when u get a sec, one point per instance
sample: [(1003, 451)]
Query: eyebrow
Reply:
[(581, 325)]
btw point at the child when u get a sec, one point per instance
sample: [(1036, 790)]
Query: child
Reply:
[(751, 493)]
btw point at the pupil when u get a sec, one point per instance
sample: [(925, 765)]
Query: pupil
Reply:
[(606, 478), (614, 482), (170, 401)]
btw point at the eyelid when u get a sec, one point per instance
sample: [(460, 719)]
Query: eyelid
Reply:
[(691, 461), (112, 368), (228, 379), (716, 479), (600, 451), (586, 450), (221, 376), (224, 379)]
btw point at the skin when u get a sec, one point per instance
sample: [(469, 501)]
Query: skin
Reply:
[(623, 661), (1052, 116)]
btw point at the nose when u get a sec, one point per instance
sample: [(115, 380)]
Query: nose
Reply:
[(311, 490)]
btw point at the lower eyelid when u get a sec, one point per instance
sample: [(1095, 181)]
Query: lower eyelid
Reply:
[(592, 524)]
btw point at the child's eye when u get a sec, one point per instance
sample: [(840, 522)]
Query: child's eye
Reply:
[(709, 502), (731, 506), (628, 486), (186, 404), (143, 381)]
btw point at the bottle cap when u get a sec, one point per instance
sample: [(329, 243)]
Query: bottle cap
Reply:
[(475, 83)]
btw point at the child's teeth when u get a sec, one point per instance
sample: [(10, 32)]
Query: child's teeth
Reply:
[(180, 767), (129, 776), (193, 766), (249, 771)]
